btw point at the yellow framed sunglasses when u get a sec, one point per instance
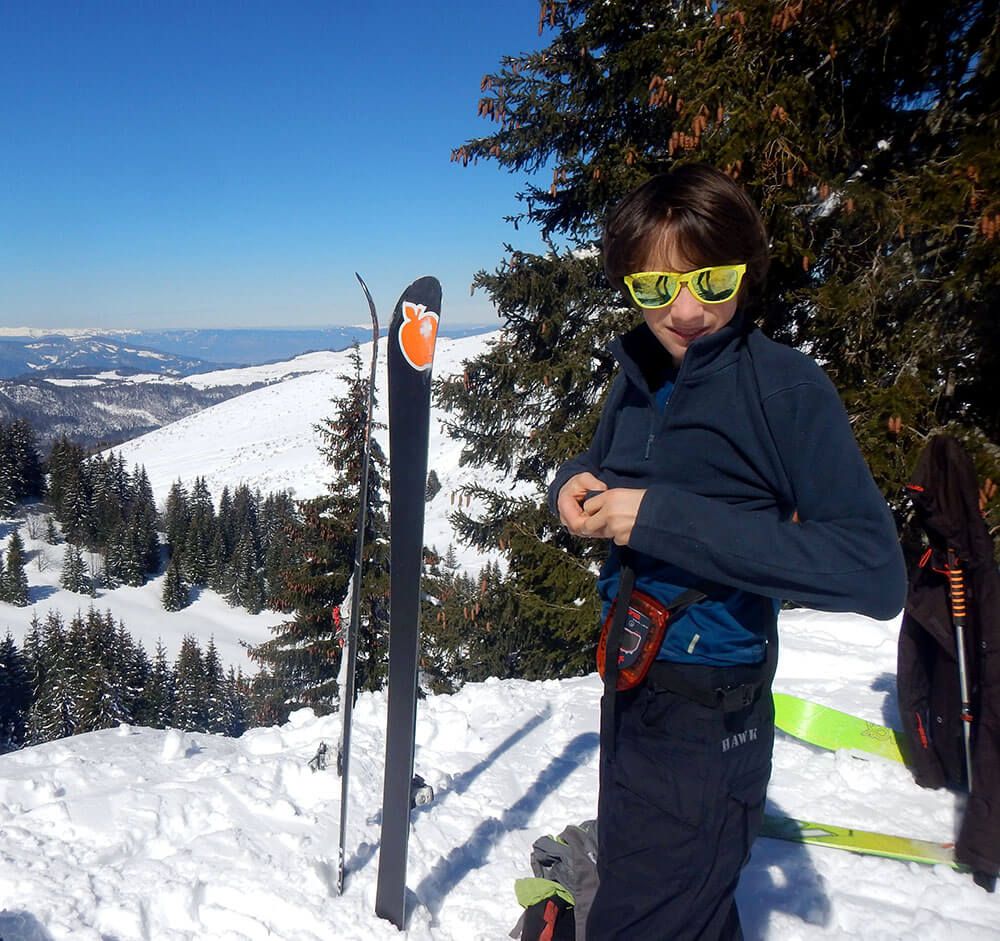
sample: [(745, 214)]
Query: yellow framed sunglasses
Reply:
[(713, 285)]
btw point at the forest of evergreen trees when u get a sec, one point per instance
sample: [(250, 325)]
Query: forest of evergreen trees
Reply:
[(90, 674), (102, 507), (256, 551)]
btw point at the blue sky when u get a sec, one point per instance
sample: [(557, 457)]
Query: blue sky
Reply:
[(233, 163)]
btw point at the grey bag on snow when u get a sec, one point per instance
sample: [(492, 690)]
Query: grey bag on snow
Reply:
[(570, 860)]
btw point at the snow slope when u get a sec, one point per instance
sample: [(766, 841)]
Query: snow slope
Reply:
[(141, 609), (266, 439), (140, 835)]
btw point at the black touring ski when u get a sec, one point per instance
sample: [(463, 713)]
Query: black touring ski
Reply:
[(411, 339), (349, 655)]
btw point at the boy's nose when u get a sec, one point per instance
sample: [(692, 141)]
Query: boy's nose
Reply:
[(686, 308)]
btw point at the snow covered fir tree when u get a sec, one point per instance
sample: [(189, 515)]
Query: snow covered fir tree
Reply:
[(13, 579), (91, 674), (300, 663)]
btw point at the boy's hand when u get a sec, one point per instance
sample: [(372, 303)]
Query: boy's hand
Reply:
[(612, 514), (571, 499)]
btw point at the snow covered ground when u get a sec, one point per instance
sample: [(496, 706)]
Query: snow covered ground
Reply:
[(140, 835), (140, 609)]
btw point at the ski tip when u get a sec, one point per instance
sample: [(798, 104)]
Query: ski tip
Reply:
[(425, 290), (415, 322), (368, 297)]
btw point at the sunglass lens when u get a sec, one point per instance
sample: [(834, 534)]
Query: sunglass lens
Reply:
[(654, 290), (716, 284)]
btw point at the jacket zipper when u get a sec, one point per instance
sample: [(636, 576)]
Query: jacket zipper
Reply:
[(658, 422)]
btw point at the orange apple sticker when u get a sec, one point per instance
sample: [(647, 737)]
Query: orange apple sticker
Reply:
[(417, 335)]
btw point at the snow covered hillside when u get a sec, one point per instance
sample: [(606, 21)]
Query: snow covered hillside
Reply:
[(140, 835), (141, 609), (266, 439)]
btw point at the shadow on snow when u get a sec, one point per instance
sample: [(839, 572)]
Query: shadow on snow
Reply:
[(475, 852)]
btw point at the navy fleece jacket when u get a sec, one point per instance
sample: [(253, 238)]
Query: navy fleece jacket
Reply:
[(753, 432)]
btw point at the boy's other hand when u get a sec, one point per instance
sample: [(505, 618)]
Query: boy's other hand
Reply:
[(571, 499), (612, 514)]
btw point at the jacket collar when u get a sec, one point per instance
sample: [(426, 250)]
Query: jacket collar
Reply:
[(648, 364)]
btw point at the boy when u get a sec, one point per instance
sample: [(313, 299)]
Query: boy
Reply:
[(725, 463)]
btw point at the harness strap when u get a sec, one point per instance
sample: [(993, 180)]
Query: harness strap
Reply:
[(615, 634)]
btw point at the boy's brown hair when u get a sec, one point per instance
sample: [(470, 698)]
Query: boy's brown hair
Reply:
[(702, 212)]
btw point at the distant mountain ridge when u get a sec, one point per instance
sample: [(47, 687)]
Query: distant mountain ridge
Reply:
[(62, 355), (176, 352), (107, 412)]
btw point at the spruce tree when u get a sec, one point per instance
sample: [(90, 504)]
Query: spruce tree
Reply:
[(8, 494), (55, 680), (20, 464), (216, 703), (115, 556), (196, 555), (870, 136), (226, 523), (64, 458), (342, 438), (75, 510), (103, 694), (246, 583), (236, 704), (107, 506), (15, 695), (200, 540), (176, 517), (277, 522), (74, 574), (32, 649), (474, 630), (24, 452), (175, 592), (300, 663), (158, 693), (143, 520), (190, 709), (135, 669), (14, 580)]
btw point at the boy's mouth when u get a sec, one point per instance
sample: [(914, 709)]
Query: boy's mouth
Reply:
[(689, 335)]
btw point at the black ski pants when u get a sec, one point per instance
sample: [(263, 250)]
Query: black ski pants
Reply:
[(682, 801)]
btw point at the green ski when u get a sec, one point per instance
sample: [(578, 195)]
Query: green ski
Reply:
[(860, 841), (830, 728)]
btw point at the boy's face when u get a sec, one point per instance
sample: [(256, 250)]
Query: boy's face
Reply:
[(686, 319)]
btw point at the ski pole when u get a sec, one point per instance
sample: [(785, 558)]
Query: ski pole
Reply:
[(956, 581), (349, 651)]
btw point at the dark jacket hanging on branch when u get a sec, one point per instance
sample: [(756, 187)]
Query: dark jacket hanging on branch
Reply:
[(946, 497)]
